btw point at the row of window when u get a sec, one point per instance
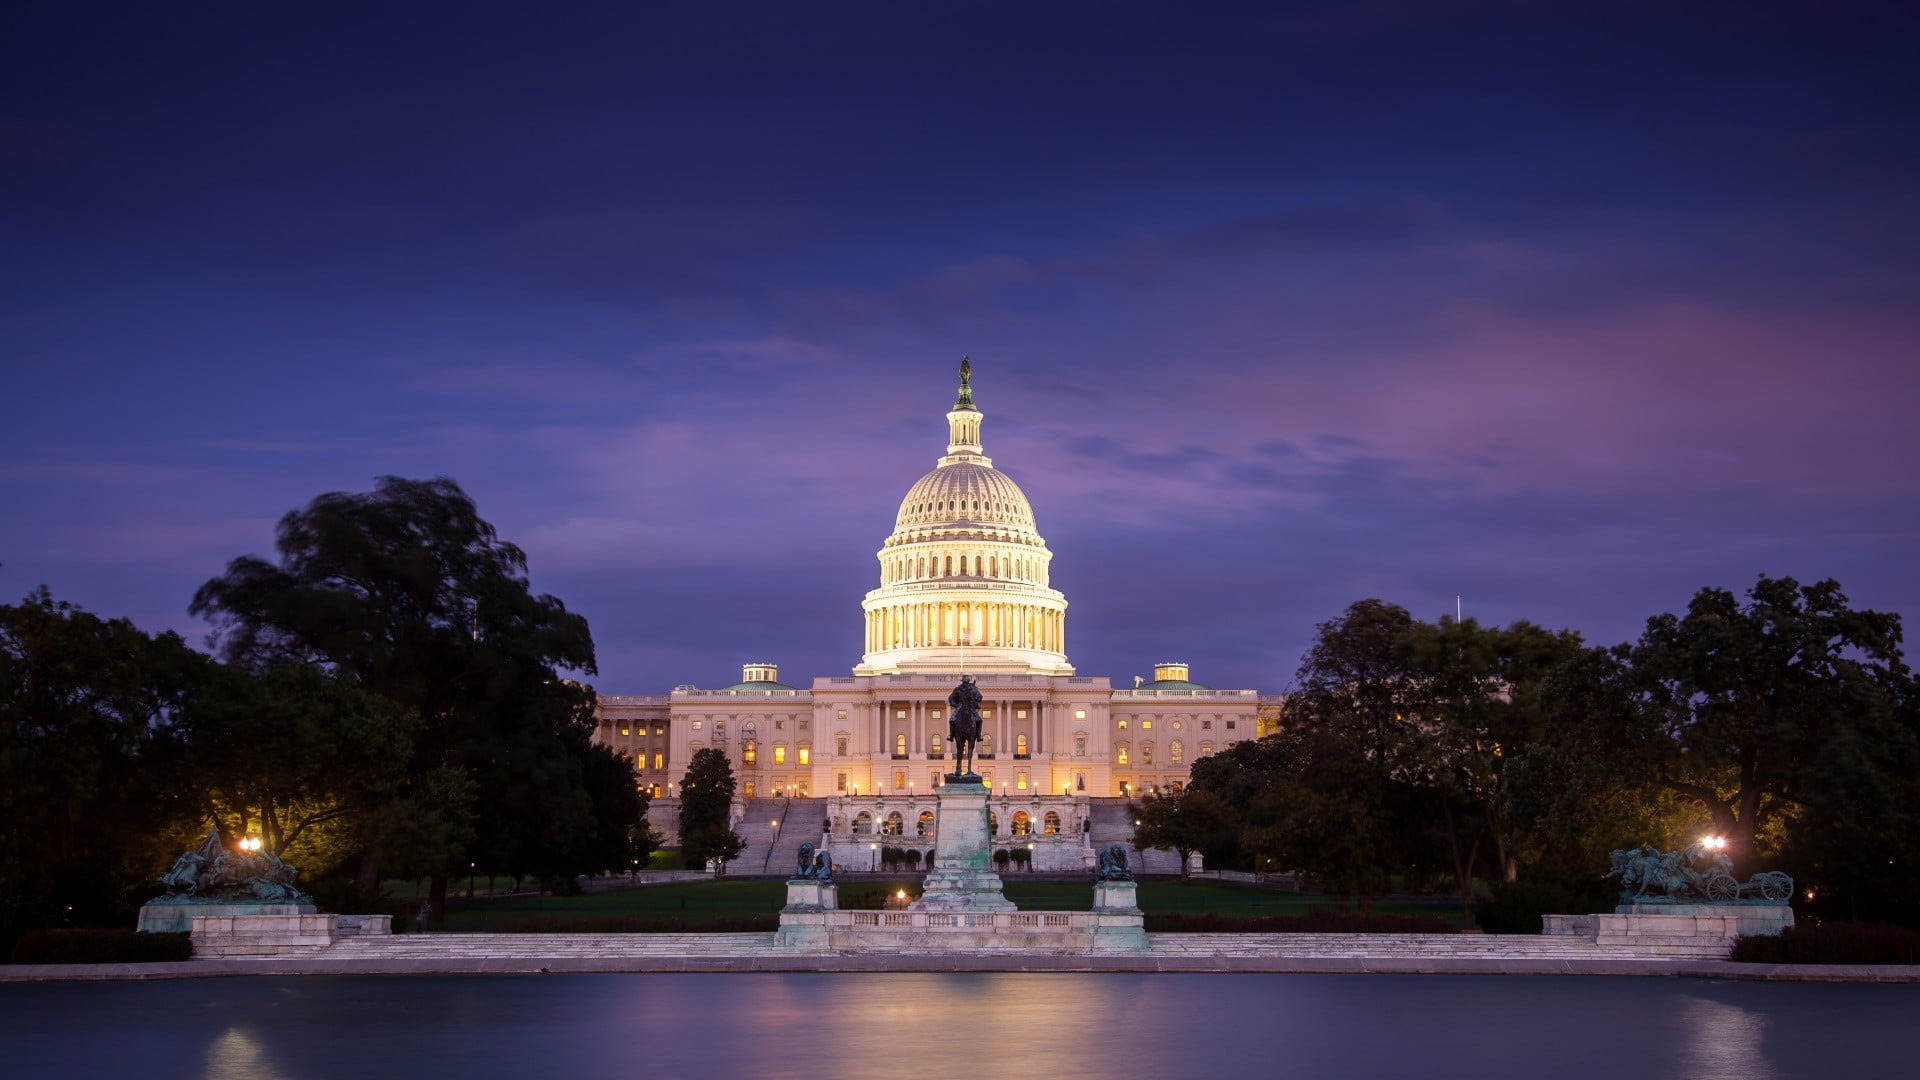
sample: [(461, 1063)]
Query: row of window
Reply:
[(1023, 568), (895, 823), (1178, 724)]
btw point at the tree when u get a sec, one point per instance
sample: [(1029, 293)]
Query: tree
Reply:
[(93, 789), (1735, 707), (1358, 704), (1477, 699), (409, 593), (306, 758), (718, 845), (706, 802), (1190, 820)]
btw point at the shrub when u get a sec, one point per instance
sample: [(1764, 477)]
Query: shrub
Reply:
[(100, 945), (346, 896), (1315, 921), (1516, 906), (1001, 857), (1023, 858), (1832, 943)]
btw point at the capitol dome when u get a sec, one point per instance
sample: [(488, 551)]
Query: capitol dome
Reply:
[(963, 577)]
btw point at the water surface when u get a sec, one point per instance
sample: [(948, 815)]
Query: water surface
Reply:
[(978, 1026)]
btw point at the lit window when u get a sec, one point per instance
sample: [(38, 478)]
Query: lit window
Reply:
[(1177, 725), (862, 823), (747, 790), (806, 756), (749, 752), (659, 761), (1050, 824), (1020, 744), (899, 779), (696, 725), (1022, 824), (900, 743), (1145, 724), (1146, 753), (1123, 725), (1080, 743), (936, 714), (899, 714), (933, 745), (1079, 714), (779, 755), (624, 731), (986, 714), (1019, 714), (1177, 752), (659, 729), (841, 714), (1020, 779), (840, 744), (924, 827), (1123, 755)]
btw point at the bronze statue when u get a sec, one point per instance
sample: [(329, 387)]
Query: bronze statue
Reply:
[(963, 727), (212, 874), (1693, 875), (812, 866), (966, 385), (1113, 864)]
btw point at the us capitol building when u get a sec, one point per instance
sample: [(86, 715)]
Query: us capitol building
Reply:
[(963, 587)]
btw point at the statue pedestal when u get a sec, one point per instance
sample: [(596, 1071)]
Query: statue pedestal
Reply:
[(157, 916), (803, 922), (1121, 896), (962, 878), (806, 894)]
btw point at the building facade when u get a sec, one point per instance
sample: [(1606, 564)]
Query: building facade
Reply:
[(963, 587)]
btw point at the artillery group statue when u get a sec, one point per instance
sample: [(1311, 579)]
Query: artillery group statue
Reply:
[(1692, 875), (211, 874)]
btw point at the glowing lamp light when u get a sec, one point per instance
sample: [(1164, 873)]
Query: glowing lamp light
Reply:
[(900, 895), (1714, 843)]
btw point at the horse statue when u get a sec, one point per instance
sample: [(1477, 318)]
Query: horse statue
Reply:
[(963, 725)]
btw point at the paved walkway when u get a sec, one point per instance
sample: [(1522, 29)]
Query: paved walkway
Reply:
[(1302, 953)]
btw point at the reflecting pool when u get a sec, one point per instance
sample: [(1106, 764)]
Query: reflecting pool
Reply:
[(978, 1026)]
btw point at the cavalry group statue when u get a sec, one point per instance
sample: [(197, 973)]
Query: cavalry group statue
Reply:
[(1691, 875), (211, 874), (963, 727)]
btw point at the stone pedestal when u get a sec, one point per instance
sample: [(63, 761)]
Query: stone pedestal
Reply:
[(1121, 896), (228, 934), (962, 878), (159, 917), (803, 922)]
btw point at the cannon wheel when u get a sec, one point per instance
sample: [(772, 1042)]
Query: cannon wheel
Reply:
[(1774, 885), (1721, 886)]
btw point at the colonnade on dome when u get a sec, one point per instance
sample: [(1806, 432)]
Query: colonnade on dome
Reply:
[(957, 624)]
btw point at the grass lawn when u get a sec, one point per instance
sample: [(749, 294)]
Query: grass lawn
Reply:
[(703, 901)]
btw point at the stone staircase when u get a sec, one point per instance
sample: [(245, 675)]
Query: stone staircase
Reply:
[(545, 946), (1421, 946), (1112, 823), (803, 822), (432, 947)]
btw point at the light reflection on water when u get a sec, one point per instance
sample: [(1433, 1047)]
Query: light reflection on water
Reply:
[(977, 1026)]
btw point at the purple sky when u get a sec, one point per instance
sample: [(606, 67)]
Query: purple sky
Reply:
[(1568, 308)]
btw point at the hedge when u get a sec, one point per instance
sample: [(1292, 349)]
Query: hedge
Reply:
[(101, 945), (1832, 943)]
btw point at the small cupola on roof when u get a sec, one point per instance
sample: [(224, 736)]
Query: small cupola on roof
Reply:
[(759, 676), (1172, 675), (963, 577)]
